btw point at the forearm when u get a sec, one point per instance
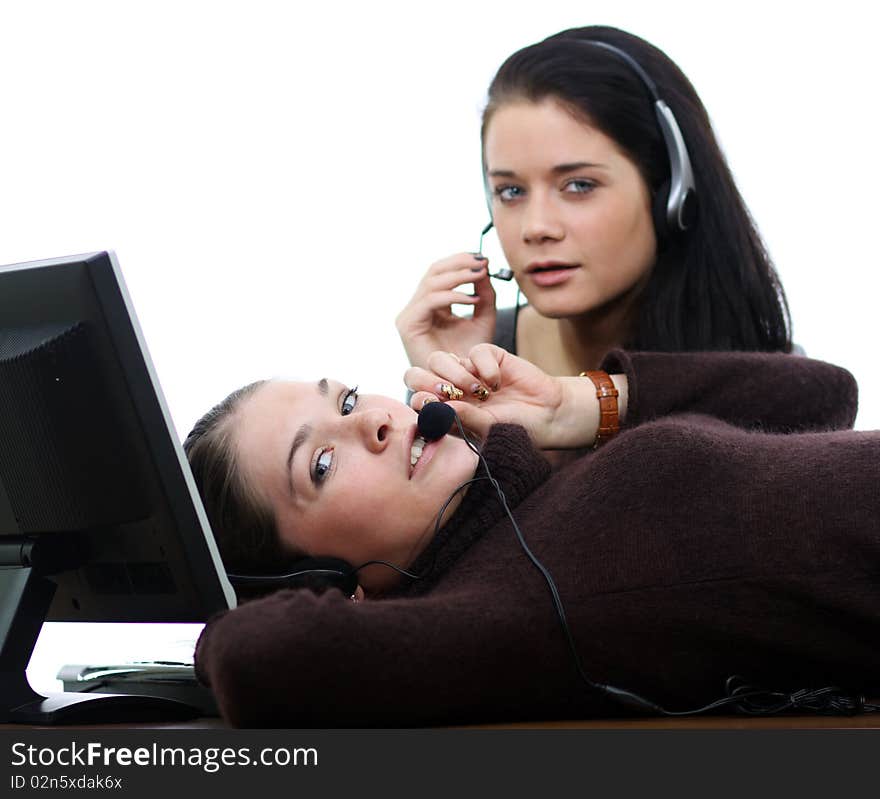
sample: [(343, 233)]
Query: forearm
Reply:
[(296, 659), (771, 391)]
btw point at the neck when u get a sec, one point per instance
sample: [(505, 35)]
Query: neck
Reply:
[(587, 338), (517, 467), (573, 344)]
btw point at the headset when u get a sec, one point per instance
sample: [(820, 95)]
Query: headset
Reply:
[(435, 420), (319, 574), (674, 207)]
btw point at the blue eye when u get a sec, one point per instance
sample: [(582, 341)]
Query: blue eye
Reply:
[(323, 464), (579, 186), (507, 193), (349, 401)]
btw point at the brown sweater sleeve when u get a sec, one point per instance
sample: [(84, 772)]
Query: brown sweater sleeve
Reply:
[(774, 392), (300, 659)]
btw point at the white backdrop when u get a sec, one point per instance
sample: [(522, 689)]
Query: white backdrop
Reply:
[(275, 180)]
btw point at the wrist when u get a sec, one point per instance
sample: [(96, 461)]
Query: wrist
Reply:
[(606, 396), (417, 352), (577, 418)]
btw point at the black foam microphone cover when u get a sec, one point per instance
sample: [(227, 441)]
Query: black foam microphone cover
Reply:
[(435, 420)]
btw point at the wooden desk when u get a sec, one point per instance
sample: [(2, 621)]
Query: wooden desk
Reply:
[(868, 721)]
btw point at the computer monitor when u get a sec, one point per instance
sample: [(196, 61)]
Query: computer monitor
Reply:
[(100, 519)]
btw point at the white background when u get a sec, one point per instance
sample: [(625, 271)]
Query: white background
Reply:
[(274, 178)]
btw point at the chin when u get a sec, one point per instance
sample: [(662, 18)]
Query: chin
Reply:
[(560, 307), (461, 465)]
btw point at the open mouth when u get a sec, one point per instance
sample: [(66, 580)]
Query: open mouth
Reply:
[(415, 452)]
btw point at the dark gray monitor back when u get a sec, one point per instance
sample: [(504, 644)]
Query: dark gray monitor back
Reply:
[(89, 459)]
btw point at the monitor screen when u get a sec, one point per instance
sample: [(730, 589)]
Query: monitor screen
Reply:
[(97, 502)]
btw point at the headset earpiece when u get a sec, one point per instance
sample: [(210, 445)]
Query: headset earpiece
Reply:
[(670, 221), (688, 210), (318, 574)]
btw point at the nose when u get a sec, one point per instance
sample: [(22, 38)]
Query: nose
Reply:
[(373, 427), (540, 220)]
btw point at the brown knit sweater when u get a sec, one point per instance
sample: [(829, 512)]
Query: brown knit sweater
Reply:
[(724, 531)]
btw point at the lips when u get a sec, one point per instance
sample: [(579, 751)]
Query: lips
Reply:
[(411, 441), (550, 273), (548, 266), (427, 454)]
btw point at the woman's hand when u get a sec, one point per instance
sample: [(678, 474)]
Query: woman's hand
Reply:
[(557, 412), (427, 323)]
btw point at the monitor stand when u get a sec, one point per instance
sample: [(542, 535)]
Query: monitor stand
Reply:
[(25, 598)]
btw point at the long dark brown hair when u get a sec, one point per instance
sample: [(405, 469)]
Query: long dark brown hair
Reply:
[(242, 522)]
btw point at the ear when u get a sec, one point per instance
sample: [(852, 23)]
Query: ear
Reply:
[(358, 595)]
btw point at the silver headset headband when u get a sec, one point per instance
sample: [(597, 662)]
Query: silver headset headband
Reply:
[(681, 176)]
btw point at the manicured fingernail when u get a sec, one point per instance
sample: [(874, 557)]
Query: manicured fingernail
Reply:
[(449, 390), (477, 268), (429, 400), (479, 256), (480, 392)]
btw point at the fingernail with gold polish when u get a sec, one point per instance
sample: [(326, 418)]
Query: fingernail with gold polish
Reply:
[(480, 392), (450, 391)]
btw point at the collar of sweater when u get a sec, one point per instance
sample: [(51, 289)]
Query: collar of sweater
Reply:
[(518, 468)]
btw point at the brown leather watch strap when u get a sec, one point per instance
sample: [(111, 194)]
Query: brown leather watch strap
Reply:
[(609, 418)]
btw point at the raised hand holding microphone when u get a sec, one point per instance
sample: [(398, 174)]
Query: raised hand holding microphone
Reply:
[(495, 386), (427, 322)]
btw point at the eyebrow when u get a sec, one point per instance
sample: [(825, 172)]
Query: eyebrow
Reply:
[(302, 434), (559, 169)]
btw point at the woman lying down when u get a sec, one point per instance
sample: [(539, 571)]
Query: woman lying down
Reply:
[(724, 543)]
